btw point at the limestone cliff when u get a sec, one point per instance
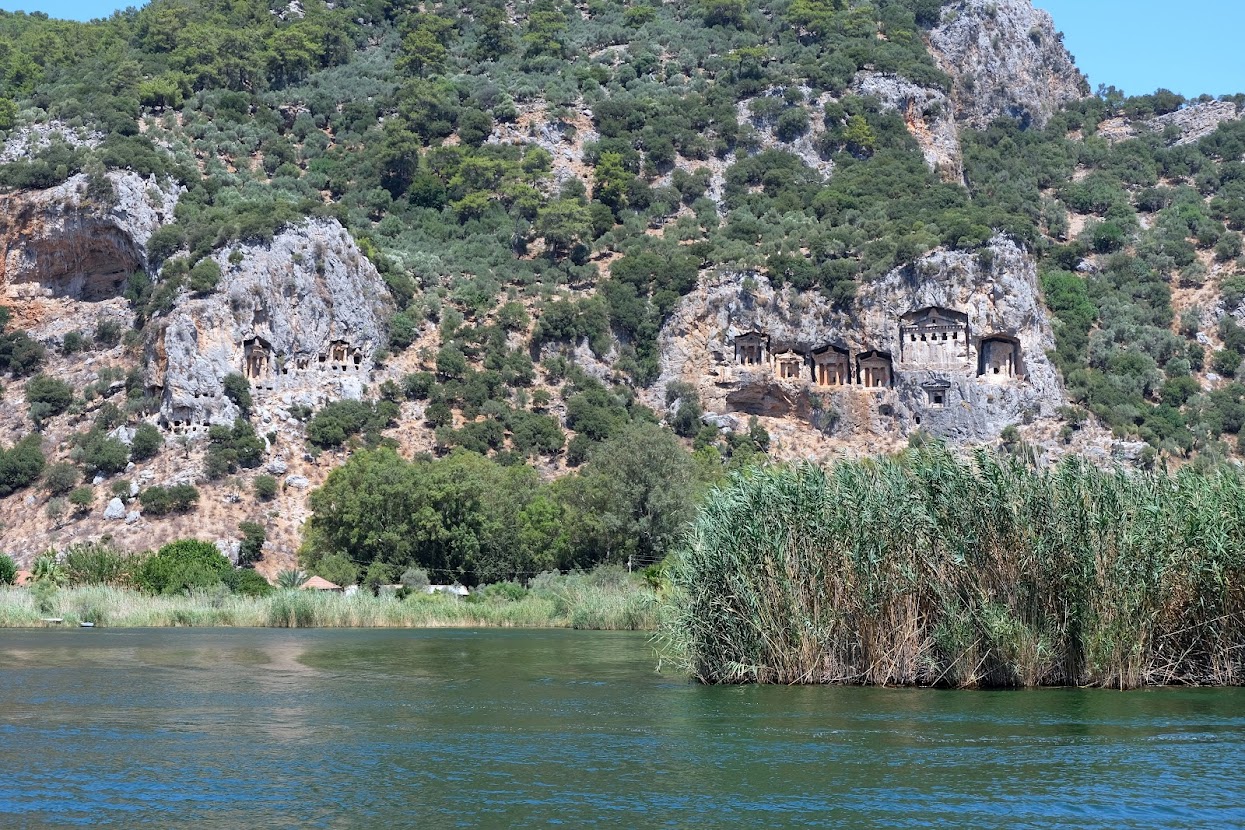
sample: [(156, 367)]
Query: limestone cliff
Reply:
[(1184, 126), (927, 113), (954, 345), (80, 241), (301, 317), (1005, 58)]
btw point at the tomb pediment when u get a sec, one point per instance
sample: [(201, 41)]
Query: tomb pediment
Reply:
[(789, 365), (751, 348), (935, 316), (874, 369)]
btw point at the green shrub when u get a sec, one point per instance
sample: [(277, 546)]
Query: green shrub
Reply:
[(248, 583), (101, 455), (61, 478), (47, 397), (1226, 362), (204, 276), (182, 565), (402, 331), (252, 547), (238, 389), (72, 343), (107, 333), (147, 442), (339, 420), (231, 448), (97, 563), (8, 569), (19, 354), (419, 385), (415, 579), (338, 569), (21, 464), (265, 487), (108, 417), (161, 501), (82, 498)]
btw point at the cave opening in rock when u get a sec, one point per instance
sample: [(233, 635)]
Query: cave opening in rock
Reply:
[(89, 265)]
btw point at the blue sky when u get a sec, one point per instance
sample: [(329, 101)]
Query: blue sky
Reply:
[(1190, 47)]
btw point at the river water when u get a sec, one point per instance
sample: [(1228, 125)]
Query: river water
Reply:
[(464, 728)]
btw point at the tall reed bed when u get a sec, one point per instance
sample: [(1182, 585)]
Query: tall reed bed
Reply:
[(923, 569)]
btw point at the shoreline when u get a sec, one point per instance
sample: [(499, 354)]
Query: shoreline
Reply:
[(624, 608)]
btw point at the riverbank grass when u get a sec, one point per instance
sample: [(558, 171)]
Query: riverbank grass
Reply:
[(593, 600)]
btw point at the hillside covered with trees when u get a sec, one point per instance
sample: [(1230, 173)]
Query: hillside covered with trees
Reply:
[(539, 185)]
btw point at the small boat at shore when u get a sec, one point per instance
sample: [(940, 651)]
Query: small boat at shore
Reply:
[(86, 625)]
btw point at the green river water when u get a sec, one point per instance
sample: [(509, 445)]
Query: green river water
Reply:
[(248, 728)]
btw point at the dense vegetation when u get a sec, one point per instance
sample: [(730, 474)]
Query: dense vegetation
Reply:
[(188, 582), (720, 134), (923, 569), (379, 113), (466, 518)]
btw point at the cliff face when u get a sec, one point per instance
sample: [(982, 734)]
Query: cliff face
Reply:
[(928, 114), (954, 345), (78, 242), (1005, 58), (1186, 126), (300, 317)]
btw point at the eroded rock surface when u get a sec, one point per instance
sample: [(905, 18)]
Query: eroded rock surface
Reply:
[(1189, 124), (28, 140), (1005, 58), (301, 317), (80, 243), (954, 345), (928, 113)]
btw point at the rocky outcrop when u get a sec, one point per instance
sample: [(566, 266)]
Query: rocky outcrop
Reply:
[(1195, 121), (1005, 59), (989, 370), (928, 113), (301, 317), (563, 139), (804, 146), (1188, 125), (78, 241), (29, 140)]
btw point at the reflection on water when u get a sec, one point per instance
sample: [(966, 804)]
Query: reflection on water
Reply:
[(442, 728)]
